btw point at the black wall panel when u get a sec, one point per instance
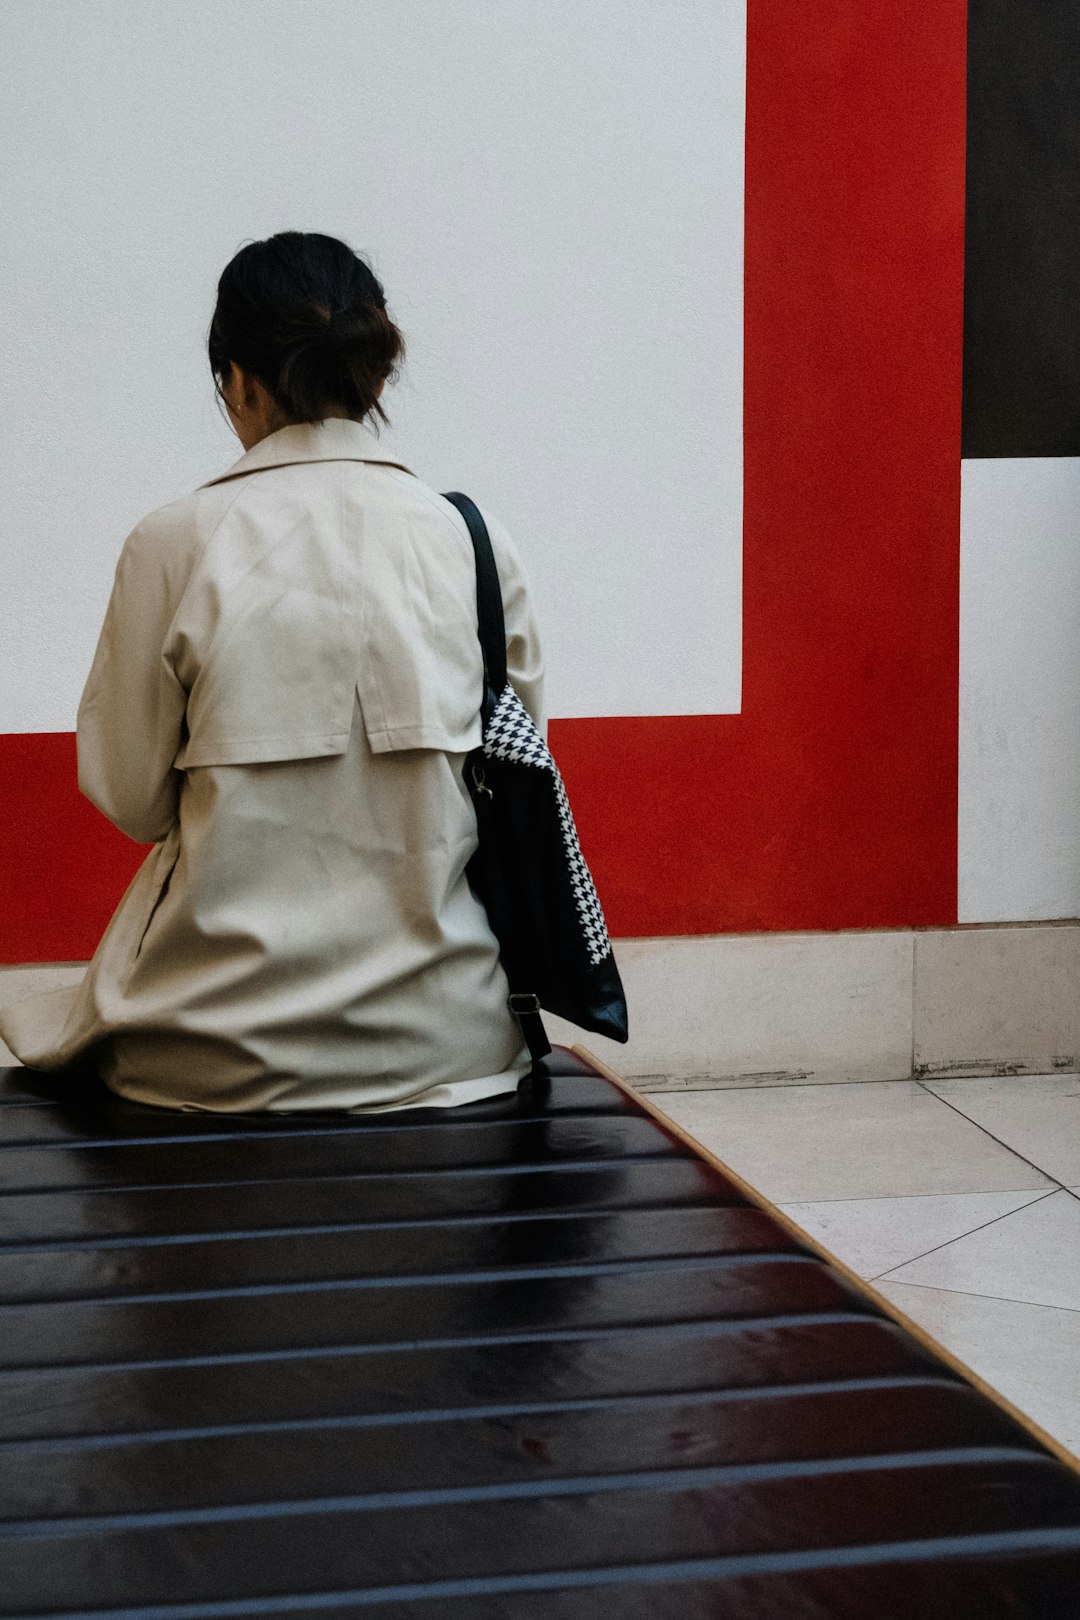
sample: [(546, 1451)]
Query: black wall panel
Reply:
[(1022, 251)]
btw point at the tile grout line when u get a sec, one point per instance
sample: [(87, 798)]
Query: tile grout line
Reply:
[(970, 1293), (1014, 1151), (881, 1198), (701, 1084), (886, 1276), (914, 962)]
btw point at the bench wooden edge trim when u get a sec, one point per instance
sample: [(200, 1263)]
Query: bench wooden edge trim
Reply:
[(884, 1304)]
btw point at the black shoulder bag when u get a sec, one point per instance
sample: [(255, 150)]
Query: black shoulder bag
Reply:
[(528, 870)]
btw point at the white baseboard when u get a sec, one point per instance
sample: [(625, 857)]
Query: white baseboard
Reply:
[(791, 1009)]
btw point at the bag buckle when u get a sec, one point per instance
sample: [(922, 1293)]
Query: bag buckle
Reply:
[(522, 1003), (480, 782)]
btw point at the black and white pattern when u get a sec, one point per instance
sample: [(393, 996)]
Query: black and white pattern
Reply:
[(511, 735)]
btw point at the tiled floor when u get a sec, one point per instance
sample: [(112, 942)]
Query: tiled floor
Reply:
[(959, 1199)]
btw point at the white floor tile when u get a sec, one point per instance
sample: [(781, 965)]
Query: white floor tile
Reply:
[(1037, 1114), (872, 1235), (1032, 1255), (1029, 1353), (874, 1140)]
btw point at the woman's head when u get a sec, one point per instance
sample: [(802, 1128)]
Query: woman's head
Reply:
[(304, 317)]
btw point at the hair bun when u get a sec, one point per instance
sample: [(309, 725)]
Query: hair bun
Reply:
[(308, 316)]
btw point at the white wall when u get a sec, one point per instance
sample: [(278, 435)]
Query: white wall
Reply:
[(552, 195), (1019, 804)]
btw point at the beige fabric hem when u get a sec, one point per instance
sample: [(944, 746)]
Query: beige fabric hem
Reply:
[(451, 1094)]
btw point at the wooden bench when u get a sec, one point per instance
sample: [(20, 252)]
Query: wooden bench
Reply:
[(537, 1359)]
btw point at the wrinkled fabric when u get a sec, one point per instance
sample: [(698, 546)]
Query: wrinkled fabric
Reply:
[(283, 693)]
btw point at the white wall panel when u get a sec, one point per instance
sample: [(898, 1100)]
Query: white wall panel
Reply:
[(552, 194), (1019, 802)]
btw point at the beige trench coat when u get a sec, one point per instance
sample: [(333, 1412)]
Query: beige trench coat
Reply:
[(284, 691)]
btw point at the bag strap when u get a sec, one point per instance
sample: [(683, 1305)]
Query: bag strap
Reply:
[(492, 631), (489, 603)]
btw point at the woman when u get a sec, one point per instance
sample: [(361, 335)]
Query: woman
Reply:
[(286, 685)]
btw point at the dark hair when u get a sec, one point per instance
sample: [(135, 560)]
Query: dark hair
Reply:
[(308, 317)]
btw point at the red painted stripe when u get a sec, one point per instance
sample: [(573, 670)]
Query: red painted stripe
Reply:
[(831, 801), (64, 866)]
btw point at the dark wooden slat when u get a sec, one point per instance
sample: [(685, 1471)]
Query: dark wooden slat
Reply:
[(937, 1584), (246, 1207), (337, 1460), (175, 1268), (27, 1086), (417, 1151), (381, 1385), (101, 1116), (125, 1330), (18, 1085), (806, 1508), (537, 1347)]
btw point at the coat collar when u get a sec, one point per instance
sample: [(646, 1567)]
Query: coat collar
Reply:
[(336, 438)]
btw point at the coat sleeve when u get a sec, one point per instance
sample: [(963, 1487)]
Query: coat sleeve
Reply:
[(131, 715), (524, 657)]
